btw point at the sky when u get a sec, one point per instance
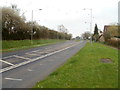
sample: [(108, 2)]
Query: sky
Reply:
[(70, 13)]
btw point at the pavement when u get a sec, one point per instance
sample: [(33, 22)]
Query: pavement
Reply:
[(24, 68)]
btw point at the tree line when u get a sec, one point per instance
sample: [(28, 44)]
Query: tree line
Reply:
[(15, 27)]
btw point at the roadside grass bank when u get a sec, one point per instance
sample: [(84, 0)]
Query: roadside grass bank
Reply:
[(14, 45), (85, 70)]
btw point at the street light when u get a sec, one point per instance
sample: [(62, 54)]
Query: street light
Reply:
[(90, 22), (32, 27)]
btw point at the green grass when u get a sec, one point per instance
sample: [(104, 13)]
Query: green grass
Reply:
[(14, 45), (85, 70)]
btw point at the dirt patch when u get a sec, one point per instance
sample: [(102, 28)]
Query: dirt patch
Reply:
[(106, 60)]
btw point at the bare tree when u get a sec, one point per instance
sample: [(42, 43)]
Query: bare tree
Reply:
[(86, 35)]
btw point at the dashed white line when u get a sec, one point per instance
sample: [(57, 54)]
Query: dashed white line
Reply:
[(21, 57), (13, 79), (6, 62)]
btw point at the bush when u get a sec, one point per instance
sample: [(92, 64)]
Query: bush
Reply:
[(107, 36), (114, 42)]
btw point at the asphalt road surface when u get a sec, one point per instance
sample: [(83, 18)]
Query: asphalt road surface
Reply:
[(22, 69)]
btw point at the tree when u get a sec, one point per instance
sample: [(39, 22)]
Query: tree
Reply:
[(63, 31), (96, 34), (86, 35), (12, 24), (96, 30), (15, 27)]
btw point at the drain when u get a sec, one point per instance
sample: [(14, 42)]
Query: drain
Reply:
[(106, 60)]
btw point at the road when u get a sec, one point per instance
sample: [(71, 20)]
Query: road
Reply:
[(22, 69)]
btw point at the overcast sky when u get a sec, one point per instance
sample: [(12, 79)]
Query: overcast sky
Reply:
[(70, 13)]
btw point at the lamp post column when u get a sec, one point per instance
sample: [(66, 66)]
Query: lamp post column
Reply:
[(32, 29), (91, 26)]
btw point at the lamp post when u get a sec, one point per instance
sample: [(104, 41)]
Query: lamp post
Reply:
[(90, 22), (32, 27)]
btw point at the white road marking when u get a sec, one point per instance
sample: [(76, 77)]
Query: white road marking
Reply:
[(41, 64), (14, 79), (21, 57), (30, 70), (6, 62), (50, 50), (39, 52), (36, 51), (51, 60), (32, 60), (7, 57), (31, 54)]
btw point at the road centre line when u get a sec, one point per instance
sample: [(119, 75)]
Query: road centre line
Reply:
[(35, 59), (13, 79), (21, 57), (6, 62)]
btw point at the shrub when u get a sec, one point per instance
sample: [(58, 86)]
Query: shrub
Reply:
[(114, 42), (106, 36)]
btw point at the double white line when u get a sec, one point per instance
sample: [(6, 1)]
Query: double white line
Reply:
[(32, 60)]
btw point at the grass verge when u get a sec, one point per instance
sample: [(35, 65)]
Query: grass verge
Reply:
[(85, 70), (14, 45)]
